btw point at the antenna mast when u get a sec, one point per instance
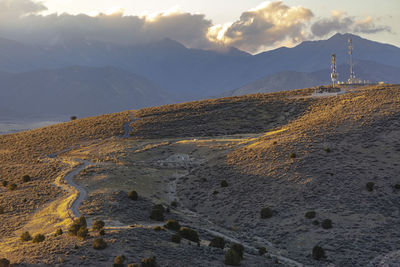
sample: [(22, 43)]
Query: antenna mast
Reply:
[(352, 75), (334, 74)]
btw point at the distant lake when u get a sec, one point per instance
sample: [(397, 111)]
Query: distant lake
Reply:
[(8, 126)]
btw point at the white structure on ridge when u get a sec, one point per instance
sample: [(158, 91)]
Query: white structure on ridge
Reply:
[(352, 78), (334, 74)]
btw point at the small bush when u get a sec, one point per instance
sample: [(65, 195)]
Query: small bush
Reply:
[(318, 253), (215, 192), (310, 214), (157, 213), (38, 238), (26, 236), (102, 232), (4, 262), (238, 248), (326, 224), (72, 118), (81, 221), (217, 242), (174, 204), (98, 226), (133, 265), (1, 210), (99, 244), (12, 187), (83, 232), (370, 186), (58, 232), (119, 261), (397, 186), (189, 234), (172, 225), (262, 251), (133, 195), (149, 262), (26, 178), (4, 183), (157, 228), (315, 222), (176, 238), (266, 213), (327, 149), (292, 155), (224, 183), (232, 258)]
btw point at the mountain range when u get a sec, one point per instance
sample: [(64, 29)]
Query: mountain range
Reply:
[(88, 77)]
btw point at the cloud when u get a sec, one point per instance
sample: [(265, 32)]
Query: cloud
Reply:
[(341, 22), (17, 8), (264, 26)]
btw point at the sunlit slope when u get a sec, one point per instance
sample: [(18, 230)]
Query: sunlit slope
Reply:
[(26, 153)]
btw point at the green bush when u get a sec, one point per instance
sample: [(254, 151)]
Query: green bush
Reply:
[(326, 224), (266, 213), (79, 228), (189, 234), (157, 228), (292, 155), (157, 213), (224, 183), (318, 253), (1, 210), (310, 214), (72, 118), (172, 225), (26, 178), (99, 244), (83, 232), (4, 183), (397, 186), (4, 262), (12, 187), (38, 238), (133, 195), (58, 232), (102, 232), (174, 204), (119, 261), (232, 258), (98, 226), (149, 262), (370, 186), (327, 149), (262, 251), (176, 238), (26, 236), (217, 242), (133, 265), (315, 222), (238, 248)]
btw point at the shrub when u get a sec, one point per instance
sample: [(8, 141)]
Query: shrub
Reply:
[(133, 195), (1, 210), (98, 226), (83, 232), (26, 236), (26, 178), (292, 155), (12, 187), (189, 234), (119, 261), (262, 251), (149, 262), (224, 183), (58, 232), (318, 253), (217, 242), (81, 221), (38, 238), (174, 204), (215, 192), (4, 262), (157, 228), (370, 186), (72, 118), (397, 186), (176, 238), (266, 213), (157, 213), (327, 149), (99, 244), (238, 248), (4, 183), (172, 225), (326, 224), (232, 258), (102, 232), (310, 214), (133, 265), (315, 222)]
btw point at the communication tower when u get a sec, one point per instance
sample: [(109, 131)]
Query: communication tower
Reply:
[(352, 78), (334, 74)]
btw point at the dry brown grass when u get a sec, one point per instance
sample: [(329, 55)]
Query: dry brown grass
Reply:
[(25, 153)]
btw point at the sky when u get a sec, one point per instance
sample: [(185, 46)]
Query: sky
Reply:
[(250, 25)]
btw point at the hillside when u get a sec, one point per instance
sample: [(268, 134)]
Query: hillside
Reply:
[(214, 165), (80, 91)]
